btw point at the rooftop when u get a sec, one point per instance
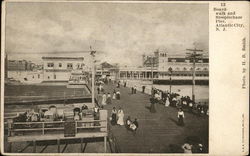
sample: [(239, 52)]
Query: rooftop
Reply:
[(63, 58)]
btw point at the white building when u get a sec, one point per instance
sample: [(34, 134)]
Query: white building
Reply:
[(60, 68), (29, 77), (157, 66)]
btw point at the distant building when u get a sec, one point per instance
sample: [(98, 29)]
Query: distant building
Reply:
[(151, 60), (158, 65), (19, 65), (163, 61), (107, 70), (60, 68)]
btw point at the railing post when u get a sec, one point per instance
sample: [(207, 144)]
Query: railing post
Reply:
[(9, 128), (43, 127), (58, 146), (34, 146), (64, 97), (105, 144), (81, 145), (76, 126), (10, 147)]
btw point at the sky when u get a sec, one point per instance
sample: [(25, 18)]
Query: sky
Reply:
[(119, 32)]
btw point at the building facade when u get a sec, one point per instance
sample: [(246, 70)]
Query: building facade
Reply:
[(60, 68), (161, 66), (20, 65)]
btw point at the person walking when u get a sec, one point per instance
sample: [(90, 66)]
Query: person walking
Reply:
[(152, 107), (132, 90), (167, 102), (114, 116), (180, 116), (190, 106), (101, 88), (125, 83), (135, 89), (120, 115), (99, 98), (98, 90), (118, 84), (109, 99), (118, 95), (143, 89), (114, 94), (104, 99)]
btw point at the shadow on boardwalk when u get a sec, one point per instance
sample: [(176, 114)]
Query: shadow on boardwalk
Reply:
[(158, 132)]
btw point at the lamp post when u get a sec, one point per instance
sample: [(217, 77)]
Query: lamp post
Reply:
[(170, 78)]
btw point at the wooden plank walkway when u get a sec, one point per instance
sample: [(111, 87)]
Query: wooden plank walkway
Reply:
[(156, 130)]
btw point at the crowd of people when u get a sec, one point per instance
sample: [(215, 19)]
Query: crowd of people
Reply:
[(193, 144), (106, 98), (133, 89), (181, 103), (117, 118), (53, 114)]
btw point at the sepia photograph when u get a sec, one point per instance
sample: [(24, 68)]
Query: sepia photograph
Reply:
[(106, 77)]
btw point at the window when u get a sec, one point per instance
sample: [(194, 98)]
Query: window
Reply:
[(50, 64), (54, 76), (60, 65), (173, 60), (69, 66), (78, 66)]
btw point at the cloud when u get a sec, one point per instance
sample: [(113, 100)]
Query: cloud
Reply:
[(120, 32)]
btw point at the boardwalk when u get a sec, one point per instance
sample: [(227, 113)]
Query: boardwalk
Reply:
[(156, 130)]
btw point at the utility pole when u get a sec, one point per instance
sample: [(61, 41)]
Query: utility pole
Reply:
[(6, 66), (151, 62), (193, 56), (170, 70), (92, 53)]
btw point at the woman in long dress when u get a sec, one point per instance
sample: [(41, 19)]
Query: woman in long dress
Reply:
[(113, 116), (118, 95), (180, 116), (104, 99), (109, 99), (114, 94), (167, 102), (152, 107), (120, 116)]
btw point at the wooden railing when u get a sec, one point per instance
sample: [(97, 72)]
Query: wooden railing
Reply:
[(43, 127)]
